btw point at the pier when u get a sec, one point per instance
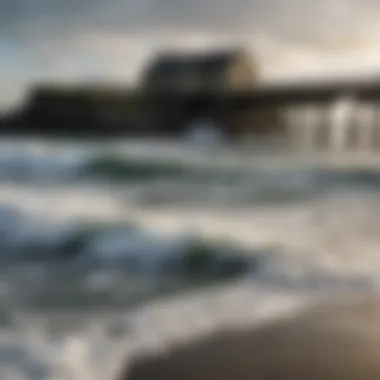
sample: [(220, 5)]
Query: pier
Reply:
[(222, 89)]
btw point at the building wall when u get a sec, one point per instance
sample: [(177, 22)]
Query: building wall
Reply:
[(242, 73), (237, 73)]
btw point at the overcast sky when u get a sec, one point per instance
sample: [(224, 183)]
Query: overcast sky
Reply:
[(72, 40)]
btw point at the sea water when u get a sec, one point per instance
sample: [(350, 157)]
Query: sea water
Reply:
[(95, 238)]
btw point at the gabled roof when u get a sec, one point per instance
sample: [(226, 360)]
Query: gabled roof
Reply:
[(176, 65), (198, 61)]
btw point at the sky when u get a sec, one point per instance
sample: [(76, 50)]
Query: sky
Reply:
[(110, 40)]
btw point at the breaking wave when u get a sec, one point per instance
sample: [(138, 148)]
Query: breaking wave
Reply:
[(106, 249)]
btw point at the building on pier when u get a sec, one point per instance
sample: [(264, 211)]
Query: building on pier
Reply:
[(179, 92), (170, 81), (221, 71)]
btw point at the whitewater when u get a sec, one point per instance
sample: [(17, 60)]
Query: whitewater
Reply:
[(95, 241)]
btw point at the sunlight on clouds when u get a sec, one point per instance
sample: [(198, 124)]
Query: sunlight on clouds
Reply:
[(111, 41)]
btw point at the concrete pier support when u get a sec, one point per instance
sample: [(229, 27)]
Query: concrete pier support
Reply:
[(295, 126), (324, 126), (365, 125), (376, 127), (312, 128), (341, 118), (344, 124)]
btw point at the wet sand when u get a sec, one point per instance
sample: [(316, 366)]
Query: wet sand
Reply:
[(337, 339)]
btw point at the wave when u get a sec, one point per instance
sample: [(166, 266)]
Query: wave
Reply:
[(119, 168), (98, 264), (352, 177), (98, 345), (84, 268), (176, 174), (88, 264), (125, 163), (30, 237)]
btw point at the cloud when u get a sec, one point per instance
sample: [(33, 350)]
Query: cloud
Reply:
[(74, 40), (295, 18)]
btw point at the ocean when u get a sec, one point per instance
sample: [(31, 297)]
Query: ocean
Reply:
[(113, 248)]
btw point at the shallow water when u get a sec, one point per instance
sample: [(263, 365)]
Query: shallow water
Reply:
[(108, 249)]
